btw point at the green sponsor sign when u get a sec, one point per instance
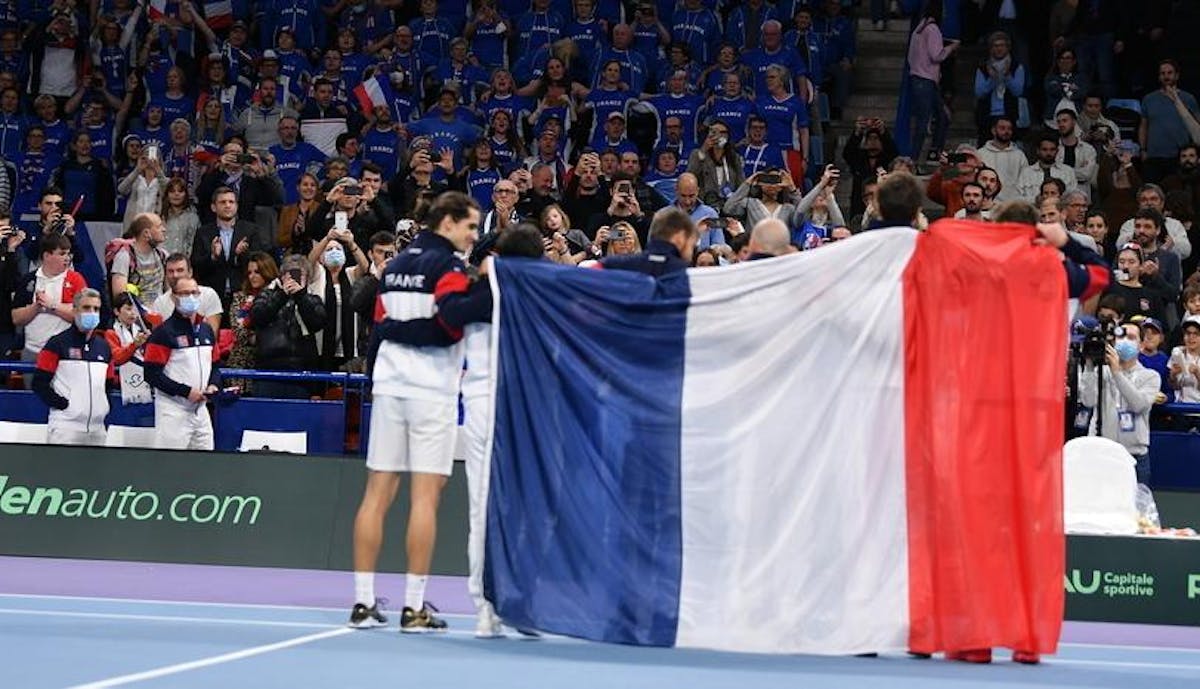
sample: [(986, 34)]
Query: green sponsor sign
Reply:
[(1128, 579), (210, 508)]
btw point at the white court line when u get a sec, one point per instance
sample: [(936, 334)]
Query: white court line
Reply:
[(1116, 663), (160, 601), (1174, 649), (161, 618), (212, 660)]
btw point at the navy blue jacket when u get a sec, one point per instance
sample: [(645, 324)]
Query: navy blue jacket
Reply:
[(660, 258)]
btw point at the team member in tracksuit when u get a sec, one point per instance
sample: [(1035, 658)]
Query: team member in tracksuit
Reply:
[(181, 363), (425, 299), (71, 371), (524, 241)]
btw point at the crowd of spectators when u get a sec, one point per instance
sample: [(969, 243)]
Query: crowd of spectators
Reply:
[(280, 152)]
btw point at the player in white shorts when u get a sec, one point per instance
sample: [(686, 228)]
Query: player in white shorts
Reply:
[(424, 302)]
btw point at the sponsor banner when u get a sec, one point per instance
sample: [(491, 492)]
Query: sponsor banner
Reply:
[(199, 507), (1131, 579)]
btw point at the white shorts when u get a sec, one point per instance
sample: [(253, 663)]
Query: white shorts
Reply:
[(412, 435)]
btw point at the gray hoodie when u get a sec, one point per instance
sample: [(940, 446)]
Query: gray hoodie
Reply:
[(1008, 163)]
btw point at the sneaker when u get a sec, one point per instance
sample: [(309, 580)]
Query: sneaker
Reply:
[(362, 617), (487, 624), (421, 621)]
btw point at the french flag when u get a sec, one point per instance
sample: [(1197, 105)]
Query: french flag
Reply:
[(157, 9), (218, 14), (847, 450), (371, 92)]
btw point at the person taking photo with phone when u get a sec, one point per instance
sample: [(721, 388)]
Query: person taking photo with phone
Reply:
[(767, 194), (286, 318), (252, 178), (624, 207)]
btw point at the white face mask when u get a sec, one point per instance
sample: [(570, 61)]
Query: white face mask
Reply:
[(335, 257)]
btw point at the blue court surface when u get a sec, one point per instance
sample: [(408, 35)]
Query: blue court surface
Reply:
[(65, 641)]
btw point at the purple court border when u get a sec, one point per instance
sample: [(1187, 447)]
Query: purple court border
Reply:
[(329, 589)]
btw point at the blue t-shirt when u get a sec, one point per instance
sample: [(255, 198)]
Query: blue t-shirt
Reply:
[(294, 162), (382, 148), (431, 37), (505, 154), (479, 186), (759, 158), (456, 135), (734, 112), (488, 44), (536, 29), (588, 36), (174, 108), (783, 117), (516, 107), (686, 107), (758, 60), (1166, 131), (604, 102), (634, 69)]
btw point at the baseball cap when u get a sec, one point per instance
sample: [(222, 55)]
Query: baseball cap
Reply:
[(238, 24), (269, 54), (616, 115), (705, 213), (1190, 323)]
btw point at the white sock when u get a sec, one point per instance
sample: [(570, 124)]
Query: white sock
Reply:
[(364, 588), (414, 590)]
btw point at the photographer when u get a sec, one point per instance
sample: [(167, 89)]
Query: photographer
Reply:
[(869, 148), (53, 218), (624, 207), (347, 203), (717, 166), (954, 171), (767, 194), (1130, 390), (286, 318), (252, 177)]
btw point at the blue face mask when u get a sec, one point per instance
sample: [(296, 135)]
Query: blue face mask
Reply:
[(189, 305), (1126, 349), (335, 257), (87, 321)]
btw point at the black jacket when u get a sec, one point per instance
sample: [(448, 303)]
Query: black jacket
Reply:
[(281, 344), (252, 193), (225, 273)]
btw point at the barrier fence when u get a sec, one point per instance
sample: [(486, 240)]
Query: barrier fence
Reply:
[(339, 426)]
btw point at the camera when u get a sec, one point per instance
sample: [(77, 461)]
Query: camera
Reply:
[(246, 158), (352, 190), (769, 178), (1093, 348), (956, 158), (435, 157), (295, 274)]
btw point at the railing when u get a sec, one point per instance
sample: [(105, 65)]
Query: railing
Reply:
[(340, 426)]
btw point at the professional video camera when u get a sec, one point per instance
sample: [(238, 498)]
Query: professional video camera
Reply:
[(1090, 339)]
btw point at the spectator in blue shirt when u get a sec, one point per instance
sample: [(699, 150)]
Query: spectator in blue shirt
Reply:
[(838, 38), (299, 18), (354, 62), (678, 103), (503, 96), (293, 158), (589, 33), (538, 27), (481, 174), (382, 144), (57, 132), (727, 62), (11, 123), (606, 98), (649, 36), (810, 45), (634, 66), (744, 26), (86, 180), (507, 148), (456, 69), (613, 138), (431, 33), (698, 27), (758, 154), (732, 107), (774, 52), (785, 114), (488, 33), (447, 132)]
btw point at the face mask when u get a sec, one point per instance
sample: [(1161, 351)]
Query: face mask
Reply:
[(721, 141), (188, 305), (335, 257), (88, 321), (1126, 349)]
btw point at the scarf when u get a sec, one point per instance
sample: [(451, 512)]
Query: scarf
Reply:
[(337, 311), (1000, 67), (134, 388)]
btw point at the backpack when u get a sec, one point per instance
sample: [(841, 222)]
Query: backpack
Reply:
[(116, 246)]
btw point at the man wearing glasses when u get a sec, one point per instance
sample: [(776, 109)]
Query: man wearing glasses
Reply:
[(504, 209), (181, 364)]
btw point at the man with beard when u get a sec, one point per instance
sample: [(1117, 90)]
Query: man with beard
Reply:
[(972, 203), (585, 195), (1005, 157), (1152, 196), (1029, 184), (1163, 129), (989, 179), (259, 121), (1187, 179), (382, 144), (142, 262), (293, 158), (1148, 231), (1074, 152)]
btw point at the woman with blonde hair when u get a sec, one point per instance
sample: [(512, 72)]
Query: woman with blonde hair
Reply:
[(623, 239)]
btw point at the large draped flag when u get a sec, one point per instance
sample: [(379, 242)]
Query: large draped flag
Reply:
[(851, 449)]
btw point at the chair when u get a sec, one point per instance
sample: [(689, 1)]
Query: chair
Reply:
[(295, 442), (1099, 487), (130, 436), (14, 432)]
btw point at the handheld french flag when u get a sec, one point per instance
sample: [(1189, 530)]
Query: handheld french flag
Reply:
[(372, 92), (846, 450), (157, 9)]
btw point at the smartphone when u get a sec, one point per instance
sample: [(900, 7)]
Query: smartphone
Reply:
[(769, 178), (624, 188), (618, 234), (341, 221), (152, 152), (352, 190), (295, 274)]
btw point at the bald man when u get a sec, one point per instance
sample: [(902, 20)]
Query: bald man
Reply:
[(769, 238)]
